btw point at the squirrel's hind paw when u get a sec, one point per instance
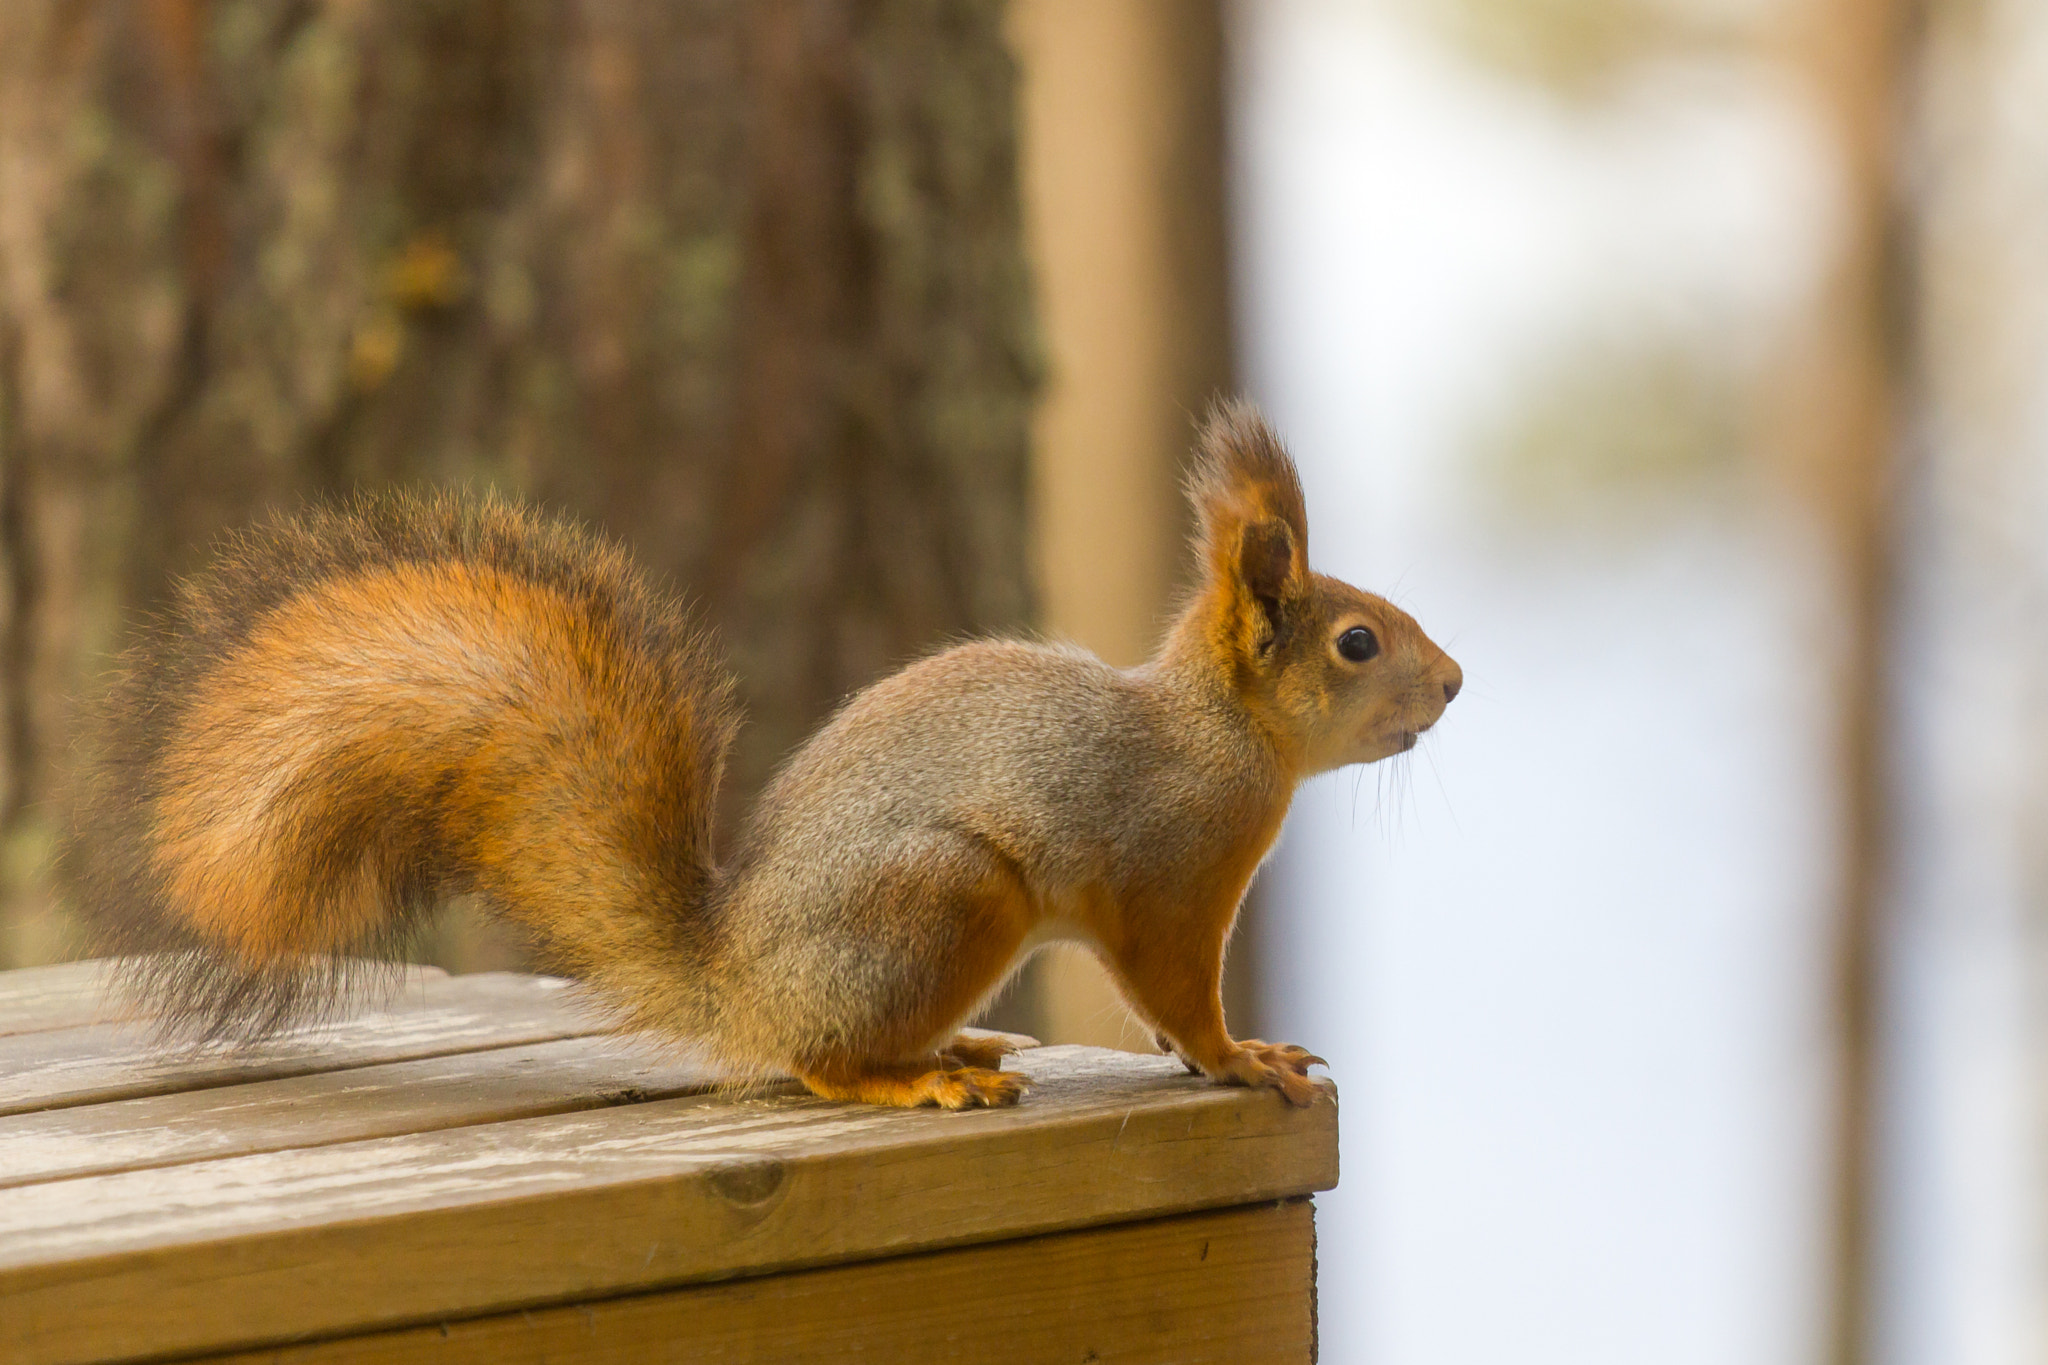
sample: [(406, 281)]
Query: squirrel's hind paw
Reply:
[(986, 1048), (942, 1082), (975, 1087)]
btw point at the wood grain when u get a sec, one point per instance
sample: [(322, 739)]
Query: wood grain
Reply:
[(340, 1106), (64, 996), (74, 994), (1235, 1288), (429, 1016), (433, 1226)]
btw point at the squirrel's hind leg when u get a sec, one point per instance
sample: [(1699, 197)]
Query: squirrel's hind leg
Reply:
[(923, 1082), (934, 925)]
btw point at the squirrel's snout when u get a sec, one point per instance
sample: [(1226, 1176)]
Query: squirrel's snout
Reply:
[(1453, 683)]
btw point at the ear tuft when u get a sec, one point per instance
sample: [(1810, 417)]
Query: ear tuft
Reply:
[(1242, 477), (1243, 474)]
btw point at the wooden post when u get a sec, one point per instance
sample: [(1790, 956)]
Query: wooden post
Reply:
[(1850, 419), (1122, 160)]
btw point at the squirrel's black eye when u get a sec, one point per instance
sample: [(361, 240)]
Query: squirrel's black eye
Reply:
[(1358, 644)]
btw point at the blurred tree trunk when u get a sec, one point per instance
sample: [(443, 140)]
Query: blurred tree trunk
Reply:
[(739, 282)]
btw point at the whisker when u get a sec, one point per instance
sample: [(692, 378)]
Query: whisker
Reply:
[(1398, 791), (1429, 751), (1478, 686)]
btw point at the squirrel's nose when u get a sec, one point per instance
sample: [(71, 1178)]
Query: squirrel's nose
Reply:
[(1453, 683)]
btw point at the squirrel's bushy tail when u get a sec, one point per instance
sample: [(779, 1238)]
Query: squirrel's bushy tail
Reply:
[(363, 708)]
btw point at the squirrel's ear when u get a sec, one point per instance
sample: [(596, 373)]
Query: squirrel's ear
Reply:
[(1243, 479)]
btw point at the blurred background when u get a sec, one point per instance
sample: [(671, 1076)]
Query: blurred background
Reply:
[(1681, 364)]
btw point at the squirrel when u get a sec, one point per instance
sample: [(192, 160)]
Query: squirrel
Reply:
[(363, 708)]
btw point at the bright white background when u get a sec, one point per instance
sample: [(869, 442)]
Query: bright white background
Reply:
[(1567, 964), (1569, 959)]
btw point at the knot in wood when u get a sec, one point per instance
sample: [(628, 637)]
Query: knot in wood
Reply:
[(748, 1182)]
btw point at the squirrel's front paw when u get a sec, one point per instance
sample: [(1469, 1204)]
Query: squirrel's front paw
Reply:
[(1273, 1066)]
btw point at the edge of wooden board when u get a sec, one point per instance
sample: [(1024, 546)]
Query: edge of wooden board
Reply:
[(385, 1233), (1143, 1291)]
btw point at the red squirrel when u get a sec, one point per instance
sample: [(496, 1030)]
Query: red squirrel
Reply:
[(362, 709)]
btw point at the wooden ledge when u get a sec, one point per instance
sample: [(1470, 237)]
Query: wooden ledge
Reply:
[(418, 1180)]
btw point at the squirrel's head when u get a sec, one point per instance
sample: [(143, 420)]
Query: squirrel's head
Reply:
[(1334, 674)]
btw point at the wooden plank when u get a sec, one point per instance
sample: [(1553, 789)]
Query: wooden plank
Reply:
[(340, 1106), (74, 994), (433, 1017), (67, 995), (1234, 1288), (386, 1100), (237, 1252)]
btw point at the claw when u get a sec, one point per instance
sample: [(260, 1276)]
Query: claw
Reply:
[(975, 1088), (1276, 1066), (1169, 1047)]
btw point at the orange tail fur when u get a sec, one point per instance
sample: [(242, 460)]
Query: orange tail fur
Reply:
[(357, 711)]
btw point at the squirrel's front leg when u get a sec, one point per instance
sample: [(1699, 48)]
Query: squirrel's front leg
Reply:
[(1185, 1000)]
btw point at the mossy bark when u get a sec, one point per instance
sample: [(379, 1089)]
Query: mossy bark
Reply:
[(741, 283)]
